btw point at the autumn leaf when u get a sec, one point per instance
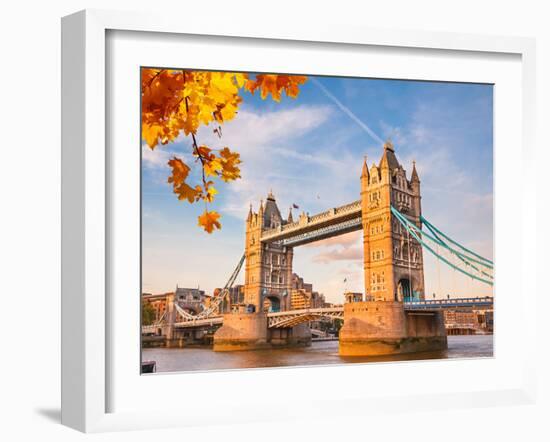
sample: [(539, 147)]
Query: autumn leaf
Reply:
[(212, 167), (209, 221), (176, 101), (210, 192), (229, 162), (180, 171), (275, 84)]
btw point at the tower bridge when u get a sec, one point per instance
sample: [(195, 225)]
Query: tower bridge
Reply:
[(394, 316)]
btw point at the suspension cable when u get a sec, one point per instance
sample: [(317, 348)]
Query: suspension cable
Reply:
[(414, 234)]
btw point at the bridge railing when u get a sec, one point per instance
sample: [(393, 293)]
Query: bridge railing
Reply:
[(307, 311), (451, 302), (327, 214)]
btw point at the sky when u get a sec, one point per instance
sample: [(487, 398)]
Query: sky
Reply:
[(309, 152)]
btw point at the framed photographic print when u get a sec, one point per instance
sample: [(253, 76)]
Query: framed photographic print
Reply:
[(275, 209)]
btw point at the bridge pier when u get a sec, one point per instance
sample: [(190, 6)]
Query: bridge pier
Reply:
[(297, 336), (374, 328), (249, 331), (242, 331)]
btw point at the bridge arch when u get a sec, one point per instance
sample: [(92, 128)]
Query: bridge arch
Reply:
[(404, 289), (272, 303), (292, 318)]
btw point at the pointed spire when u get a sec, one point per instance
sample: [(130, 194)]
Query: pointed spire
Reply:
[(388, 160), (414, 175), (290, 219), (261, 209), (365, 171), (270, 195), (249, 217)]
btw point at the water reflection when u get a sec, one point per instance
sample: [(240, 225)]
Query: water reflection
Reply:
[(320, 353)]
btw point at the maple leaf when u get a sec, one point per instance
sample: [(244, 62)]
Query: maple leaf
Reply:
[(209, 221), (229, 162), (180, 171), (212, 167), (210, 192), (275, 84)]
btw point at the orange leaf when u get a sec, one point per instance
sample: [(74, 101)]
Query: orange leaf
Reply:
[(209, 221), (180, 170)]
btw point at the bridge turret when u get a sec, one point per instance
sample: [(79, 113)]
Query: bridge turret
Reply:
[(272, 216), (415, 187), (414, 175), (365, 176)]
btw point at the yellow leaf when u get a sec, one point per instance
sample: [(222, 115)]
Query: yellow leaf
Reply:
[(210, 192), (213, 166)]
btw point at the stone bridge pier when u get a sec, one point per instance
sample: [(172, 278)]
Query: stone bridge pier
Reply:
[(249, 331), (384, 327)]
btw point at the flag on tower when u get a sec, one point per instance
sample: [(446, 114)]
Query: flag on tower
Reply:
[(295, 206)]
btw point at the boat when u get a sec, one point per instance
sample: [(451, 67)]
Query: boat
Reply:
[(148, 366)]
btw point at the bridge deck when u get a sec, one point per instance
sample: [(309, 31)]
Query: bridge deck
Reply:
[(290, 318), (335, 221)]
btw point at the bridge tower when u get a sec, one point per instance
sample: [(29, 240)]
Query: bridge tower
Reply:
[(393, 264), (267, 287), (393, 269), (268, 266)]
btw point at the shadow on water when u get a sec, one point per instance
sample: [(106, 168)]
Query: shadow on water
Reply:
[(320, 353)]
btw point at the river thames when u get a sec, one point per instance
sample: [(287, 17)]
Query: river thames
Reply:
[(320, 353)]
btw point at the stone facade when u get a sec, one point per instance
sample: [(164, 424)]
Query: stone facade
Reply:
[(393, 263), (268, 267), (374, 328)]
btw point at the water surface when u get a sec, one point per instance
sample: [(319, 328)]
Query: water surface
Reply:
[(320, 353)]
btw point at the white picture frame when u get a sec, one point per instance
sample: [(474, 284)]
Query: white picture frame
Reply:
[(86, 211)]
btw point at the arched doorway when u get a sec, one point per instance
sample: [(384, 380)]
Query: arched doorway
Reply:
[(272, 304), (404, 290)]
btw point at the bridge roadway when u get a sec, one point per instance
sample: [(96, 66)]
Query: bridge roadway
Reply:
[(291, 318), (306, 229)]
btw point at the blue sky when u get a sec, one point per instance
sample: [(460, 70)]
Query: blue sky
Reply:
[(309, 151)]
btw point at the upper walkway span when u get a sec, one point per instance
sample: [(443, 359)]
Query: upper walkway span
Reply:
[(306, 229)]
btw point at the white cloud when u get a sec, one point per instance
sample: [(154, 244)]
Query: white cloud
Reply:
[(251, 131), (346, 254), (156, 158), (273, 158), (345, 241)]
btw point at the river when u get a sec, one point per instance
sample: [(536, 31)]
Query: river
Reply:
[(320, 353)]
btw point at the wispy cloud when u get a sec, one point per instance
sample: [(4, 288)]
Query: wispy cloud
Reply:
[(349, 254), (276, 157), (347, 111)]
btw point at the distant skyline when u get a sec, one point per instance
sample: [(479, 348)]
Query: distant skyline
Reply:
[(309, 152)]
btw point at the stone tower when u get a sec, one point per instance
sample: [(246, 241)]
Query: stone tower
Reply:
[(393, 263), (268, 267)]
